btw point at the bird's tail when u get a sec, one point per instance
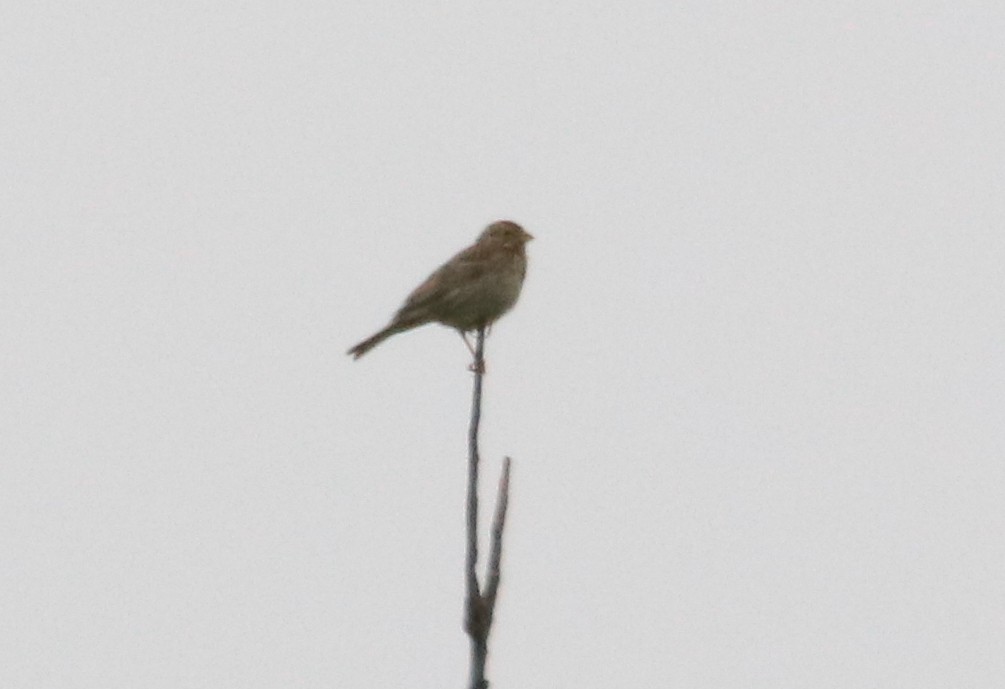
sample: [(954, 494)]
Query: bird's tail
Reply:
[(372, 341)]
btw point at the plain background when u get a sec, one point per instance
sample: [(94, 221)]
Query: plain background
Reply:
[(754, 388)]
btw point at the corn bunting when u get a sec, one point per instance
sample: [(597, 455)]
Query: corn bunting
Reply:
[(470, 291)]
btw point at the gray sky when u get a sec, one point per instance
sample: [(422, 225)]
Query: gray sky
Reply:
[(753, 389)]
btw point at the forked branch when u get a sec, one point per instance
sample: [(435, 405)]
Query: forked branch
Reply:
[(480, 607)]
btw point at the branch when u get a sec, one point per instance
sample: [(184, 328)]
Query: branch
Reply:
[(479, 609), (495, 555), (478, 367)]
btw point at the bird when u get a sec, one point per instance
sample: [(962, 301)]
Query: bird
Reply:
[(469, 292)]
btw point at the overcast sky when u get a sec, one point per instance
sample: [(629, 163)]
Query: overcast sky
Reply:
[(754, 389)]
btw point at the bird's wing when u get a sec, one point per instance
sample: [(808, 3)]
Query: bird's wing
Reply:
[(463, 269)]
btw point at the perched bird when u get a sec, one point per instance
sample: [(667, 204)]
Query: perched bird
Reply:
[(470, 291)]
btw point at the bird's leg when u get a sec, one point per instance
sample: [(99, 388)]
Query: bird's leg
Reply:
[(467, 343), (473, 367)]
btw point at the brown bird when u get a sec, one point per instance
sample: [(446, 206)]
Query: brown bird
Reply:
[(470, 291)]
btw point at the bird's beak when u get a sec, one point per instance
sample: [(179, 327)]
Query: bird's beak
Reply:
[(527, 236)]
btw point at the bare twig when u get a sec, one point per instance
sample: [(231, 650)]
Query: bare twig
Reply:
[(495, 554), (479, 609), (473, 591)]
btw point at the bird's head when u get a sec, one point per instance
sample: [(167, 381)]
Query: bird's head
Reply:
[(505, 233)]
